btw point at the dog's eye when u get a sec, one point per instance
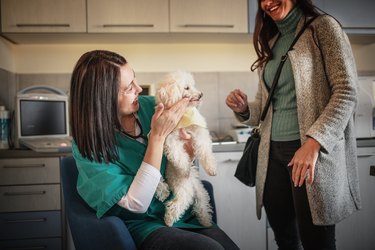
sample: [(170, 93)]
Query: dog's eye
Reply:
[(187, 88)]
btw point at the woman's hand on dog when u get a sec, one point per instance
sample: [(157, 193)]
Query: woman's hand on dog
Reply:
[(165, 120)]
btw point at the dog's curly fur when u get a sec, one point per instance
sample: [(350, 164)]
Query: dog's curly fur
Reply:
[(182, 177)]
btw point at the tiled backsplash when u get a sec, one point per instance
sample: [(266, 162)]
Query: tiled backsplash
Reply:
[(214, 85)]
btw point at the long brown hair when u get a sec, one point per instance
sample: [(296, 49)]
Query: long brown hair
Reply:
[(93, 104), (265, 29)]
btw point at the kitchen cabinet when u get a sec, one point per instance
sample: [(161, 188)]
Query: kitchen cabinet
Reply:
[(210, 16), (127, 16), (31, 214), (23, 16), (355, 16), (235, 204), (357, 231)]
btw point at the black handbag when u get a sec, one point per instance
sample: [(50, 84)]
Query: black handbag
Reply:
[(247, 165)]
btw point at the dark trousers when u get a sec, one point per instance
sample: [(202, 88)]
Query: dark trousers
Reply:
[(287, 207), (187, 239)]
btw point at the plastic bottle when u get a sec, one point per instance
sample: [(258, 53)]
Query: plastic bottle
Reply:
[(4, 128)]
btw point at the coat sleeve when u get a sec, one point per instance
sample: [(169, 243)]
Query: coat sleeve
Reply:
[(341, 75), (101, 185)]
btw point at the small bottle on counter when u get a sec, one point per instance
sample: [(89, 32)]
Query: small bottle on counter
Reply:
[(4, 128)]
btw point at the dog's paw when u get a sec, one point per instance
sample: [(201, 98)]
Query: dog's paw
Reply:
[(162, 191), (204, 218), (206, 223), (212, 172), (168, 221)]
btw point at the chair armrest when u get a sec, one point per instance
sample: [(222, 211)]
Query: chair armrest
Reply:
[(109, 232)]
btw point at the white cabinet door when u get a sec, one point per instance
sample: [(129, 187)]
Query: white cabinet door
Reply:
[(235, 204), (211, 16), (22, 16), (127, 16), (357, 231)]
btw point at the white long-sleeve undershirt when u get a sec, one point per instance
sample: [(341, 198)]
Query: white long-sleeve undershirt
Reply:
[(142, 189)]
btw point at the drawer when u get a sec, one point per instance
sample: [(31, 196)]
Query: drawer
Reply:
[(29, 171), (30, 225), (30, 198), (34, 244)]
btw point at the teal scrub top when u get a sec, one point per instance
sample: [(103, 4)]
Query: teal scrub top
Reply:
[(102, 185)]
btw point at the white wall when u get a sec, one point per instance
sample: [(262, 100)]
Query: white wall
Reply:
[(143, 57), (60, 58)]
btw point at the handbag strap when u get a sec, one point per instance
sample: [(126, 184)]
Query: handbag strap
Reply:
[(281, 64)]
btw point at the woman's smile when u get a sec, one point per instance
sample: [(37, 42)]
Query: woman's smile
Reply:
[(277, 10)]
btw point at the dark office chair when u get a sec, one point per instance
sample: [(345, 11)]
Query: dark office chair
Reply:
[(87, 230)]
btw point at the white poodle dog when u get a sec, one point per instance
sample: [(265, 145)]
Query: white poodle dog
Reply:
[(182, 177)]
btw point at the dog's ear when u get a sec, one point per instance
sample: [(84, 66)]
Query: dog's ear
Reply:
[(168, 94)]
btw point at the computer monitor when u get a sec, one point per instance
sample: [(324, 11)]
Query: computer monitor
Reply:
[(41, 115)]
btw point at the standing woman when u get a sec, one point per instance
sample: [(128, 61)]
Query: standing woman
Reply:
[(307, 171)]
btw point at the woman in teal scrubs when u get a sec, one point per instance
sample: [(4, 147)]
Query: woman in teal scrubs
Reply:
[(118, 147)]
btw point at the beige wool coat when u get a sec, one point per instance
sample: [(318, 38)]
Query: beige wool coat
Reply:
[(326, 90)]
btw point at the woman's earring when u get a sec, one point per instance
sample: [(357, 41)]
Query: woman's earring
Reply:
[(264, 15)]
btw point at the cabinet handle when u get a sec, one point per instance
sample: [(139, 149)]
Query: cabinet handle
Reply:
[(230, 161), (25, 193), (25, 166), (27, 220), (25, 25), (208, 26), (372, 170), (25, 248), (360, 28), (128, 25)]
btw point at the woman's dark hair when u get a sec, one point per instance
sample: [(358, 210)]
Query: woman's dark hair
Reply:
[(266, 29), (93, 104)]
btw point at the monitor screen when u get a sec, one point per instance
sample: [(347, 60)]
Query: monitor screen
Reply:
[(42, 117)]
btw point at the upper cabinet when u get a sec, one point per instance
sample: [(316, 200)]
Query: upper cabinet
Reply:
[(210, 16), (117, 16), (356, 17), (22, 16)]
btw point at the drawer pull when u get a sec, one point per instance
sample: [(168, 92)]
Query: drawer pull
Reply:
[(25, 166), (25, 193), (230, 161), (230, 26), (25, 25), (128, 25), (372, 170), (27, 220), (25, 248)]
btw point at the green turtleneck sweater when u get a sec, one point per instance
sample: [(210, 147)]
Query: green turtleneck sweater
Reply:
[(285, 121)]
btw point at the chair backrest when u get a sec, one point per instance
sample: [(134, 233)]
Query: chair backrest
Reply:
[(88, 231)]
